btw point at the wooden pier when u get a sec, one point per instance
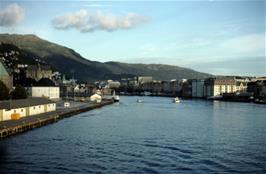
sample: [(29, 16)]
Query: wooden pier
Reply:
[(13, 127)]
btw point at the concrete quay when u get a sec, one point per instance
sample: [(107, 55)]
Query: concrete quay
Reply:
[(13, 127)]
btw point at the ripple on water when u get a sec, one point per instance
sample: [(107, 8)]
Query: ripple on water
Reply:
[(152, 137)]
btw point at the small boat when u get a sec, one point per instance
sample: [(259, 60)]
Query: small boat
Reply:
[(176, 100), (115, 97), (139, 101)]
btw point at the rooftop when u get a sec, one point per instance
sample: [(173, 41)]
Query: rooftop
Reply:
[(21, 103), (3, 71)]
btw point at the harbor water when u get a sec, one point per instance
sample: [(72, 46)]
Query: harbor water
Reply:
[(154, 136)]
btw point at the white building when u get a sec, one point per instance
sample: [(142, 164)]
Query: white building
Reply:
[(144, 79), (214, 87), (96, 98), (113, 84), (25, 107), (51, 92), (198, 88), (80, 88)]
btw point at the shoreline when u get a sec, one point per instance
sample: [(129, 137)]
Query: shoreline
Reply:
[(238, 100), (13, 127)]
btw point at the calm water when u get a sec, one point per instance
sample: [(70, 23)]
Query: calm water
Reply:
[(156, 136)]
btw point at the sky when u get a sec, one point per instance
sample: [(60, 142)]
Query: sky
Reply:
[(217, 37)]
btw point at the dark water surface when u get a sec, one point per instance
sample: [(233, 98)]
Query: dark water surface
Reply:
[(156, 136)]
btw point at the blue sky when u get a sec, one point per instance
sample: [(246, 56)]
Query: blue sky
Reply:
[(218, 37)]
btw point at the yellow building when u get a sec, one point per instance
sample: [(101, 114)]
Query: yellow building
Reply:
[(214, 87)]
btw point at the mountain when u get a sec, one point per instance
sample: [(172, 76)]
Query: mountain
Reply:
[(18, 56), (67, 61)]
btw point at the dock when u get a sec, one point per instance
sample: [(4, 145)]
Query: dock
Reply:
[(13, 127)]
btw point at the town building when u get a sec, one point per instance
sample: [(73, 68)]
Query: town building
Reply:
[(257, 87), (25, 107), (71, 81), (144, 79), (263, 89), (197, 88), (186, 88), (96, 98), (175, 87), (80, 88), (51, 92), (44, 88), (154, 87), (38, 72), (5, 76), (113, 84), (166, 87), (215, 87)]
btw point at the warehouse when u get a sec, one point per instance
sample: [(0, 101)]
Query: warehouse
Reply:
[(15, 109)]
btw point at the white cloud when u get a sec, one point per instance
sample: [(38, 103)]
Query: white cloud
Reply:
[(11, 15), (77, 20), (246, 44), (88, 22)]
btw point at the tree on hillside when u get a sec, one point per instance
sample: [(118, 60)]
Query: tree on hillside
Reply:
[(19, 93), (4, 92)]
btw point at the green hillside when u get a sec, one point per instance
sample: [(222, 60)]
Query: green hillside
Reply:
[(69, 62)]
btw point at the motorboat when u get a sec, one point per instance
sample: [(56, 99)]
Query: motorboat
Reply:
[(115, 97), (176, 100), (139, 101)]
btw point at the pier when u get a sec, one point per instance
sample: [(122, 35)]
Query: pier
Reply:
[(13, 127)]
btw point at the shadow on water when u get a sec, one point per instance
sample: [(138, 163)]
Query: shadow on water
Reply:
[(3, 153)]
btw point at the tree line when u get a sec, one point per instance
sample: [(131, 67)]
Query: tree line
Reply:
[(18, 93)]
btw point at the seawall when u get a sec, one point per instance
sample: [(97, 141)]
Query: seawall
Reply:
[(13, 127)]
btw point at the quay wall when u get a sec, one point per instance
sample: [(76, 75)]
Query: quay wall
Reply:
[(7, 131)]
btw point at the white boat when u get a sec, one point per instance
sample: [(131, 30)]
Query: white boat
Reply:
[(139, 101), (176, 100), (115, 97)]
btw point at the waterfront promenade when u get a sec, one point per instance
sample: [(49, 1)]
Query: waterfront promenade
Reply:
[(12, 127)]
